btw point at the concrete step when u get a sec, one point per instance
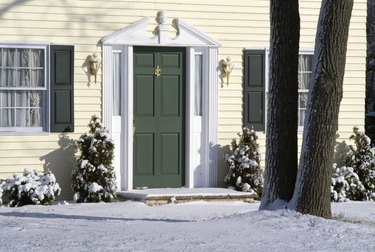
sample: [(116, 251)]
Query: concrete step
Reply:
[(159, 196)]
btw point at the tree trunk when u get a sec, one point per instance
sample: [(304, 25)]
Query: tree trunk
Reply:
[(312, 192), (370, 72), (370, 68), (281, 135)]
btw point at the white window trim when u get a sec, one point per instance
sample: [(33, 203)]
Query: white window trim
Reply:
[(46, 104)]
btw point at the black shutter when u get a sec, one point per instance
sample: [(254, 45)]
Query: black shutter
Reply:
[(62, 80), (254, 89)]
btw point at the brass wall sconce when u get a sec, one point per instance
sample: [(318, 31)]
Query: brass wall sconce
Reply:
[(92, 66), (95, 63), (226, 68)]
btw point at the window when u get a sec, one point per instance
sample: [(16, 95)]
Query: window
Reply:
[(255, 76), (22, 88), (304, 73), (198, 85), (116, 83), (30, 81)]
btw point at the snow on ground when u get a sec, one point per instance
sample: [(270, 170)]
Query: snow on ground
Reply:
[(195, 226)]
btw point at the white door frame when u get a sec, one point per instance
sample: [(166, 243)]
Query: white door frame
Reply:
[(201, 131)]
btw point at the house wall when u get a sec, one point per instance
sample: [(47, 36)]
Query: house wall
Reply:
[(236, 25)]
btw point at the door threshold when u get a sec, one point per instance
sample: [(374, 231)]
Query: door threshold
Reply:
[(161, 196)]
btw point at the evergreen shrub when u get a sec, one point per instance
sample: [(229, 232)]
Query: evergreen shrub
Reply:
[(94, 177), (355, 179), (245, 173)]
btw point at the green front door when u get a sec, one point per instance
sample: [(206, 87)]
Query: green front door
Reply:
[(159, 88)]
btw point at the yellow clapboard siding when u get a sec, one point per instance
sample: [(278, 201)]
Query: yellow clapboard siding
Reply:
[(85, 107), (21, 146), (353, 94), (236, 25), (349, 101), (8, 171), (232, 121), (31, 153), (21, 161)]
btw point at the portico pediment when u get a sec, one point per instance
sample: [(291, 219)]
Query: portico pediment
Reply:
[(137, 34)]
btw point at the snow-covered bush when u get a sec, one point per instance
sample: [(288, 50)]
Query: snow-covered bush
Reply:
[(345, 184), (341, 153), (244, 172), (30, 188), (355, 180), (94, 177), (1, 191)]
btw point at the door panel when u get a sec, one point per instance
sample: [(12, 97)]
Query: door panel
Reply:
[(170, 96), (159, 117), (170, 60), (144, 149), (144, 60), (144, 96), (170, 155)]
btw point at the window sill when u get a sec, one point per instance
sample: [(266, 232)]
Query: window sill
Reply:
[(25, 132)]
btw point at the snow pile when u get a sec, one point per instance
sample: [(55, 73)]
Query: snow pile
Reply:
[(244, 172), (355, 179), (31, 188), (94, 176)]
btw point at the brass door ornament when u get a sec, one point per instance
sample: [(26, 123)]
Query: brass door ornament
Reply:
[(133, 128), (157, 71)]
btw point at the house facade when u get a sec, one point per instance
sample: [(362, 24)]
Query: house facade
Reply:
[(173, 82)]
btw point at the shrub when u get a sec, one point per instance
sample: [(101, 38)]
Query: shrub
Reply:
[(244, 172), (1, 191), (362, 159), (94, 177), (30, 188), (345, 184), (355, 180)]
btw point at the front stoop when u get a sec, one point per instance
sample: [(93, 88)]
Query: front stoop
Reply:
[(162, 196)]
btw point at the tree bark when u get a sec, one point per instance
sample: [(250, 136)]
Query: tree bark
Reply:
[(312, 192), (281, 134), (370, 67)]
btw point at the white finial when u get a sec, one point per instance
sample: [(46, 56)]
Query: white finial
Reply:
[(162, 17)]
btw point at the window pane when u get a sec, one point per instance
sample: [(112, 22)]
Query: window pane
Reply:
[(22, 117), (36, 117), (301, 117), (36, 99), (36, 78), (303, 80), (304, 70), (21, 99), (6, 117), (116, 83), (302, 105), (303, 100), (7, 99), (198, 85)]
